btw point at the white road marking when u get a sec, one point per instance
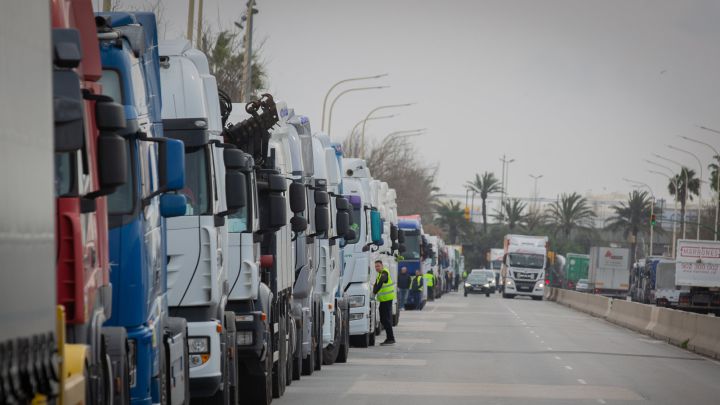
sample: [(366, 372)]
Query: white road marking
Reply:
[(542, 341), (602, 401), (414, 340), (406, 388), (581, 381), (388, 362), (568, 367), (557, 358), (549, 348)]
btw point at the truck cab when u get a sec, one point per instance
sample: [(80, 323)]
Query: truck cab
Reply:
[(412, 257), (137, 210), (524, 265), (198, 282), (359, 273)]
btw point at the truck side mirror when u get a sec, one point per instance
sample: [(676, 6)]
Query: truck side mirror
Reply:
[(321, 198), (376, 226), (69, 131), (172, 205), (112, 161), (235, 190), (322, 219), (298, 224), (401, 236), (277, 183), (402, 248), (350, 235), (110, 116), (67, 50), (277, 214), (342, 222), (171, 162), (297, 198), (342, 204), (393, 232)]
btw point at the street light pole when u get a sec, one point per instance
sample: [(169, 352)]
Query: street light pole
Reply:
[(535, 194), (362, 132), (674, 237), (717, 189), (352, 79), (652, 211), (699, 185), (682, 171), (332, 105), (403, 134)]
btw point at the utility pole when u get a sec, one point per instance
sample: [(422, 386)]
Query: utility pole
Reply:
[(535, 194), (246, 88), (504, 181), (198, 36), (191, 20)]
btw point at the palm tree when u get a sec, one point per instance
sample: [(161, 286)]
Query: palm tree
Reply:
[(484, 185), (693, 187), (569, 212), (534, 220), (451, 218), (513, 213), (631, 217)]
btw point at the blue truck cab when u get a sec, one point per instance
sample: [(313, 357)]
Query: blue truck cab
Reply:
[(137, 235), (412, 256)]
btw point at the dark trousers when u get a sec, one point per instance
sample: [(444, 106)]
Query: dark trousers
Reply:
[(386, 318), (431, 293)]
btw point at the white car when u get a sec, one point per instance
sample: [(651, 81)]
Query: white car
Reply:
[(583, 285)]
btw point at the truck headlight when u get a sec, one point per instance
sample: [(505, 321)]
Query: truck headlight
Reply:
[(199, 345), (486, 285), (357, 301), (540, 285), (468, 285), (509, 283)]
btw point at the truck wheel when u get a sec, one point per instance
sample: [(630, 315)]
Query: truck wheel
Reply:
[(537, 298), (260, 387), (360, 340), (465, 293), (345, 345), (175, 325), (371, 342), (319, 337), (308, 363), (290, 353), (278, 381), (487, 293), (330, 353), (231, 367), (117, 348), (297, 356)]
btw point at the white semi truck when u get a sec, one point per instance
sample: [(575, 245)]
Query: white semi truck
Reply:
[(609, 271), (524, 265), (698, 273)]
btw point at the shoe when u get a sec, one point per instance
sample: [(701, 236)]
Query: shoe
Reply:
[(387, 343)]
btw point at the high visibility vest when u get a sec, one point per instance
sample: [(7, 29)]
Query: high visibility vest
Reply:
[(429, 279), (464, 274), (387, 291), (416, 283)]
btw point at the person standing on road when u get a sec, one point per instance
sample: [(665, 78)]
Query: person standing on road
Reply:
[(403, 286), (457, 281), (430, 282), (384, 290), (416, 288)]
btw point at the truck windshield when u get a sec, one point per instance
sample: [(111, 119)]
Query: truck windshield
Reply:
[(527, 260), (412, 246), (121, 201), (110, 82), (196, 191), (238, 222)]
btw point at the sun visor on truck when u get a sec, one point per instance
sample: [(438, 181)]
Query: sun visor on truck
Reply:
[(192, 131)]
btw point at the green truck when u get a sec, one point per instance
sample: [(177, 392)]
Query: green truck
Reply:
[(576, 269)]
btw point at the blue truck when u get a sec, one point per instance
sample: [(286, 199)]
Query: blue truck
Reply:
[(157, 349), (413, 239)]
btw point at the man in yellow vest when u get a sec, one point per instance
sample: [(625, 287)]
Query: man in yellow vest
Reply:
[(416, 289), (430, 282), (384, 291)]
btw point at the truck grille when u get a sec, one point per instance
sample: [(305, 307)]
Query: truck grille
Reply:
[(524, 285)]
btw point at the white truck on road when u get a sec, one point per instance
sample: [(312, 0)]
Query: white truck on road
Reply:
[(524, 263), (698, 269), (609, 272)]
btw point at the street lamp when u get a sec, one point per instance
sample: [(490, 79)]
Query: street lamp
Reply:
[(332, 105), (717, 205), (674, 182), (652, 210), (382, 107), (403, 134), (504, 181), (699, 185), (682, 170), (322, 126), (370, 119), (535, 194)]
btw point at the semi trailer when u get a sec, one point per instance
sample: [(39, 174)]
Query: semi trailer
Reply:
[(524, 265)]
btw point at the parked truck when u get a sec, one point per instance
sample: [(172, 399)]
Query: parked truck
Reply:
[(83, 179), (412, 258), (158, 361), (576, 269), (698, 270), (666, 292), (609, 271), (524, 266)]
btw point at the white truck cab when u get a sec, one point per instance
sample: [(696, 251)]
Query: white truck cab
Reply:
[(524, 264)]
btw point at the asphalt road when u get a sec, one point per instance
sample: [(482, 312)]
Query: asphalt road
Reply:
[(496, 351)]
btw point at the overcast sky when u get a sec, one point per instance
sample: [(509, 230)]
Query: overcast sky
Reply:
[(578, 91)]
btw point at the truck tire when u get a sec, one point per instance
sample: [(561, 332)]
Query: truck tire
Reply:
[(537, 298), (231, 367), (280, 367), (330, 353), (509, 296), (362, 341), (319, 336), (371, 341), (344, 351), (259, 387), (290, 325), (174, 326), (117, 349), (487, 293), (308, 363), (297, 359)]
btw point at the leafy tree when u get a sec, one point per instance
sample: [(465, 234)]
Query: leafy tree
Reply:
[(484, 185), (451, 217), (226, 58), (693, 187), (513, 213), (570, 212), (632, 217)]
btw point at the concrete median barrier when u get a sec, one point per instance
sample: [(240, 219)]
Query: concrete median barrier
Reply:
[(677, 327), (598, 305), (630, 315), (707, 336)]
